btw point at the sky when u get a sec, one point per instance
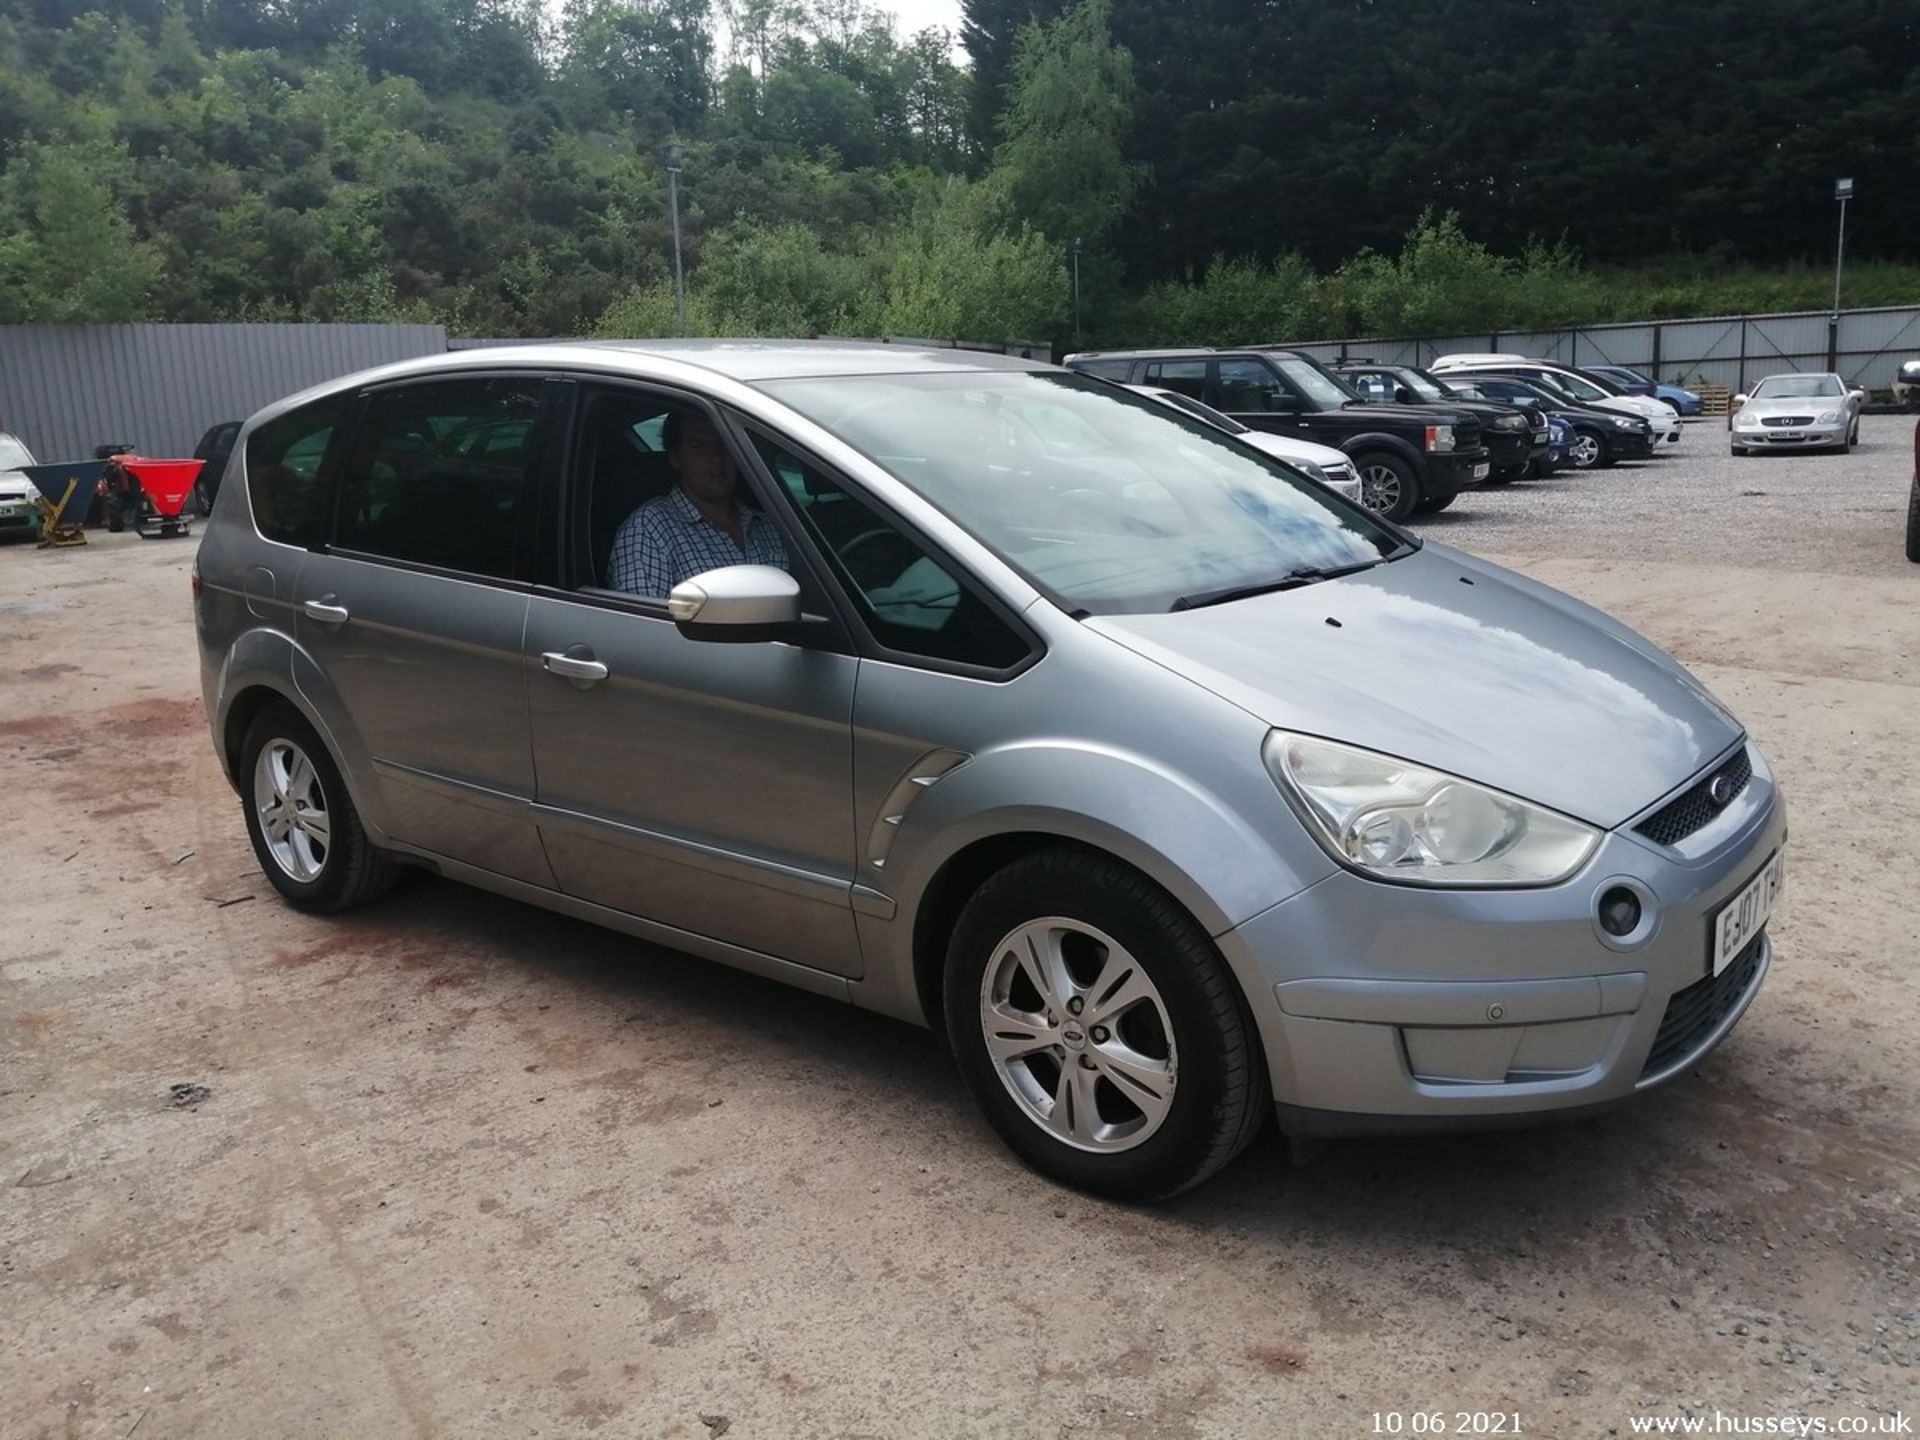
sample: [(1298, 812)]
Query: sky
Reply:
[(910, 16)]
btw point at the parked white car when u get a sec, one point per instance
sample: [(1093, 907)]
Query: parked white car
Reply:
[(1329, 466), (1580, 386), (1804, 411), (19, 497), (1906, 384)]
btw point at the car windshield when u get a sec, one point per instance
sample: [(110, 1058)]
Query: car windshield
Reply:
[(1797, 387), (1582, 387), (1313, 382), (13, 454), (1108, 502), (1422, 384), (1203, 412), (1621, 372)]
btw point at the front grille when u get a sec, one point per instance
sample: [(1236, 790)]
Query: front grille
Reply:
[(1779, 420), (1693, 1013), (1694, 807)]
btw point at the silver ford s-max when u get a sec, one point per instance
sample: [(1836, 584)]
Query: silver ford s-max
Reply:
[(1164, 783)]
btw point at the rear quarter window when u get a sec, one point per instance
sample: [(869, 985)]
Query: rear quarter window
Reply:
[(286, 482)]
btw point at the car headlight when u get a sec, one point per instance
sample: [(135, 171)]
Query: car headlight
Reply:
[(1398, 821), (1828, 417), (1439, 438), (1624, 422), (1310, 470)]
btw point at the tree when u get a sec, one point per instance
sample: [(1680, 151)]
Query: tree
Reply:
[(67, 253)]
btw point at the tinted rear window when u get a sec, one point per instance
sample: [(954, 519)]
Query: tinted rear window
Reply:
[(284, 478)]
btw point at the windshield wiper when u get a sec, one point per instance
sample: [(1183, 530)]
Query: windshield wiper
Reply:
[(1292, 580)]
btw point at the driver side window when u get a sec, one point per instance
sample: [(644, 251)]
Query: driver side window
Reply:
[(910, 601), (1249, 387)]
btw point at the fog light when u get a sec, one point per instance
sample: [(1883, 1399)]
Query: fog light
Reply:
[(1619, 912)]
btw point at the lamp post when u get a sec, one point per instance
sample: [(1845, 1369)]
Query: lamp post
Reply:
[(1843, 192), (1076, 293), (673, 158)]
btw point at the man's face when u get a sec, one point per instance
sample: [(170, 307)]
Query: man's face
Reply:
[(704, 466)]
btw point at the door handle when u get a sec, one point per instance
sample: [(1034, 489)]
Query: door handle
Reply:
[(325, 612), (582, 670)]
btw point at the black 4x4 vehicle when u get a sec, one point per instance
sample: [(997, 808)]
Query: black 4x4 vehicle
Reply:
[(1409, 457)]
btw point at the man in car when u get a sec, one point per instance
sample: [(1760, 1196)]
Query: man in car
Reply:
[(698, 525)]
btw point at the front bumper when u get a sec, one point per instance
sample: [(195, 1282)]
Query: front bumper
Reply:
[(1631, 444), (1790, 437), (1471, 1008), (1454, 471)]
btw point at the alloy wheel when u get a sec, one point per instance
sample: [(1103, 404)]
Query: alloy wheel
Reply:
[(1079, 1035), (291, 806), (1585, 451), (1379, 488)]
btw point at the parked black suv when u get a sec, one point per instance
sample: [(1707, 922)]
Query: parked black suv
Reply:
[(1409, 457), (1517, 436)]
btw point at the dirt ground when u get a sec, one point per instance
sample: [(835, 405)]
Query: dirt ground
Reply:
[(459, 1167)]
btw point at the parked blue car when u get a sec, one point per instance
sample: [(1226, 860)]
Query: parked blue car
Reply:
[(1559, 443), (1685, 401)]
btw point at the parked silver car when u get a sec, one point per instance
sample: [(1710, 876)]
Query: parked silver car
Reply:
[(1797, 412), (993, 697)]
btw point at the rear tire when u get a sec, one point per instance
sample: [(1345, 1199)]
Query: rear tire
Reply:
[(1098, 990), (1913, 522), (1388, 486), (305, 831)]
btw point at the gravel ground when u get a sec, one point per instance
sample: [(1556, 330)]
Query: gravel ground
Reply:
[(1699, 504), (454, 1166)]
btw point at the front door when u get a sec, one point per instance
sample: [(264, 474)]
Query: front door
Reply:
[(703, 786), (411, 617)]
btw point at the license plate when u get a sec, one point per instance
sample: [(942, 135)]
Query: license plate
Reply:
[(1480, 472), (1740, 918)]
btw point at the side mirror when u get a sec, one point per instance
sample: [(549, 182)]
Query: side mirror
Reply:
[(1859, 396), (737, 604), (1739, 400), (1403, 396)]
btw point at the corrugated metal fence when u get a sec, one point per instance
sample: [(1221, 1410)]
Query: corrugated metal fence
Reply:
[(1731, 350), (66, 388)]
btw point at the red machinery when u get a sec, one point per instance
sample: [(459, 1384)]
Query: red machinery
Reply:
[(166, 484)]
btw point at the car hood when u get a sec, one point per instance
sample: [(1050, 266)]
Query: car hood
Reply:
[(14, 485), (1287, 448), (1404, 415), (1641, 405), (1795, 405), (1458, 664)]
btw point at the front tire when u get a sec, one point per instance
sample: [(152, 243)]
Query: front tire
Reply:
[(1388, 486), (306, 833), (1913, 522), (1433, 505), (1099, 1029), (1588, 450)]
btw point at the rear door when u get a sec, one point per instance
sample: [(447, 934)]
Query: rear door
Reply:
[(706, 787), (411, 616)]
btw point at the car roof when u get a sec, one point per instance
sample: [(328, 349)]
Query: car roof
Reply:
[(744, 360)]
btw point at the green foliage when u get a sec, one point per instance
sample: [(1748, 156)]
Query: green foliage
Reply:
[(67, 253), (953, 273), (1061, 167), (1299, 170)]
